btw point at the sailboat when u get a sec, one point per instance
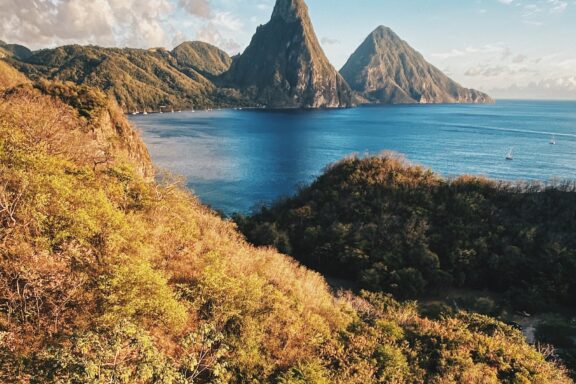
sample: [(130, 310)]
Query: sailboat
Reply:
[(510, 155), (553, 140)]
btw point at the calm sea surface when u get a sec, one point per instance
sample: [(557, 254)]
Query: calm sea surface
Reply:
[(234, 160)]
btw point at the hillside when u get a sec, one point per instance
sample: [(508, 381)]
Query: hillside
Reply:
[(202, 57), (9, 76), (385, 69), (138, 79), (402, 229), (19, 52), (109, 277), (284, 65)]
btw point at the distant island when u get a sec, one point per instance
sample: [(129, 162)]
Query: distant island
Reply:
[(283, 67)]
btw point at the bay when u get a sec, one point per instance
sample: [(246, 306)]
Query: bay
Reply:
[(235, 160)]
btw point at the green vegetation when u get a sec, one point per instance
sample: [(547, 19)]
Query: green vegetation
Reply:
[(561, 332), (14, 50), (202, 57), (108, 277), (138, 79), (402, 229)]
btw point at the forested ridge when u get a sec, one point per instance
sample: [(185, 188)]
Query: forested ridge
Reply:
[(109, 277), (400, 228)]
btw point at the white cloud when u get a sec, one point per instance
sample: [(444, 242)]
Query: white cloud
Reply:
[(329, 41), (200, 8), (133, 23), (228, 21), (264, 7), (498, 67), (558, 6), (471, 50), (106, 22), (211, 34), (519, 59), (532, 11), (551, 88)]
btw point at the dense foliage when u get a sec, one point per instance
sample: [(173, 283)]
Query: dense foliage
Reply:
[(202, 57), (138, 79), (14, 50), (107, 277), (402, 229)]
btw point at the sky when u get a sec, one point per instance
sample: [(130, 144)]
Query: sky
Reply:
[(509, 48)]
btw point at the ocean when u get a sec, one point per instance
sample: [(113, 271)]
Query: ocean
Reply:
[(235, 160)]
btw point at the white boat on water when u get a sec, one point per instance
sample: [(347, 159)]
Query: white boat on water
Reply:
[(144, 113), (510, 155), (553, 140)]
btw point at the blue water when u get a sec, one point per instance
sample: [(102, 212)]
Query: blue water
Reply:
[(235, 160)]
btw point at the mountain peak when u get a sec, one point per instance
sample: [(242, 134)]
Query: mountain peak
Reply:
[(290, 10), (381, 38), (383, 29), (285, 67), (385, 69), (383, 32)]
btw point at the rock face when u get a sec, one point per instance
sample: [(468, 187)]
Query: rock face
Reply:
[(285, 67), (385, 69)]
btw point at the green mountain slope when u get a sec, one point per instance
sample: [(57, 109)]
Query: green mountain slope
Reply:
[(14, 50), (202, 58), (137, 79), (385, 69), (109, 277), (402, 229)]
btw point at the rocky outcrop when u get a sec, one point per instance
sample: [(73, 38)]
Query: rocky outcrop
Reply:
[(285, 67), (385, 69)]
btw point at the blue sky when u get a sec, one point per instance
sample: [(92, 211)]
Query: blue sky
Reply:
[(507, 47)]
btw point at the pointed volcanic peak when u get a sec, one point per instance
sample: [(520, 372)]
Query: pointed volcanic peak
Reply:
[(285, 67), (385, 69)]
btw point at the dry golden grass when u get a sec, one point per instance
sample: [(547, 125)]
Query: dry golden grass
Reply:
[(10, 77)]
